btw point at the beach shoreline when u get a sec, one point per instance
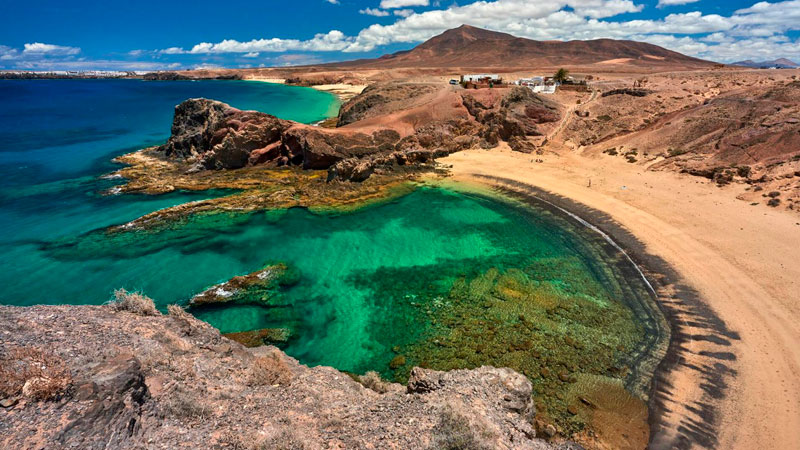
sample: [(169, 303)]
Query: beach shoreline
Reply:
[(710, 379), (342, 91)]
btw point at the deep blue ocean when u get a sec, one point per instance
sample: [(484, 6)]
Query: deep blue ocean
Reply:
[(57, 138)]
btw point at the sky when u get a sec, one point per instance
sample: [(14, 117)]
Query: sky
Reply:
[(162, 35)]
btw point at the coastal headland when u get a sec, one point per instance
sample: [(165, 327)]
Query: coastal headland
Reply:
[(689, 170)]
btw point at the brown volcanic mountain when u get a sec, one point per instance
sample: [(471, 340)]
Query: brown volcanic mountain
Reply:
[(468, 46)]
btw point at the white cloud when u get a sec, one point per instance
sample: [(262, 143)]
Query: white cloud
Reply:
[(389, 4), (49, 49), (374, 12), (333, 2), (333, 40), (8, 53), (173, 51), (663, 3), (757, 30), (251, 55)]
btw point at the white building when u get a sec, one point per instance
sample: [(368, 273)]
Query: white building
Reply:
[(539, 85), (479, 77)]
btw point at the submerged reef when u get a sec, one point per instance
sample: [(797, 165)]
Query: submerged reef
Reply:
[(257, 338), (528, 320)]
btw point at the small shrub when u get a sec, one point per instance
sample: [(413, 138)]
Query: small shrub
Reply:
[(179, 314), (604, 118), (372, 380), (33, 373), (270, 370), (134, 302), (774, 202), (177, 311)]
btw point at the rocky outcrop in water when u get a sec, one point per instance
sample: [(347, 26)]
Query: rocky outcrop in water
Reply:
[(171, 381), (213, 136), (217, 136), (259, 287)]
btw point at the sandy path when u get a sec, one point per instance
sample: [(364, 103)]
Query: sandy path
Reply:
[(734, 378), (568, 114)]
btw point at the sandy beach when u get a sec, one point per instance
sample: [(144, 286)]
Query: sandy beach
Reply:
[(342, 90), (732, 378)]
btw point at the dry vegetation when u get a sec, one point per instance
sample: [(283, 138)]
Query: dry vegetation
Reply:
[(270, 370), (134, 302), (372, 380), (32, 373)]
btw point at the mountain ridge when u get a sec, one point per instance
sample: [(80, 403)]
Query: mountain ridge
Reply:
[(781, 63), (468, 46)]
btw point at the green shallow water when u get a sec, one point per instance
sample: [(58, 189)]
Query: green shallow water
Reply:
[(390, 279)]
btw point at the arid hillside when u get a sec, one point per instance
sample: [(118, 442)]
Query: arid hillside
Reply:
[(732, 127)]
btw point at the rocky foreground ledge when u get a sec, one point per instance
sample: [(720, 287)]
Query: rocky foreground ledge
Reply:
[(105, 377)]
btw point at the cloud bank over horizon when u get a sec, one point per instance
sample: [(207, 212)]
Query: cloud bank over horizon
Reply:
[(762, 30)]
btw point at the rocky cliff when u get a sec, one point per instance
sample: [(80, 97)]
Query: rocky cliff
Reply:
[(217, 136), (108, 377), (212, 135)]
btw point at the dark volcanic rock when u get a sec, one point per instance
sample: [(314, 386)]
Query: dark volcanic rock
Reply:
[(164, 76), (221, 137), (259, 287), (257, 338), (217, 136), (116, 392), (214, 136), (174, 76)]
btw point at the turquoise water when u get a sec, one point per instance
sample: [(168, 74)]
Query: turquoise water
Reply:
[(423, 275), (58, 136), (363, 275)]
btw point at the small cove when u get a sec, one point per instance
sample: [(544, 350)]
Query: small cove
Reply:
[(442, 277)]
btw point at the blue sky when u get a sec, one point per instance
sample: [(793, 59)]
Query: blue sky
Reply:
[(147, 35)]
